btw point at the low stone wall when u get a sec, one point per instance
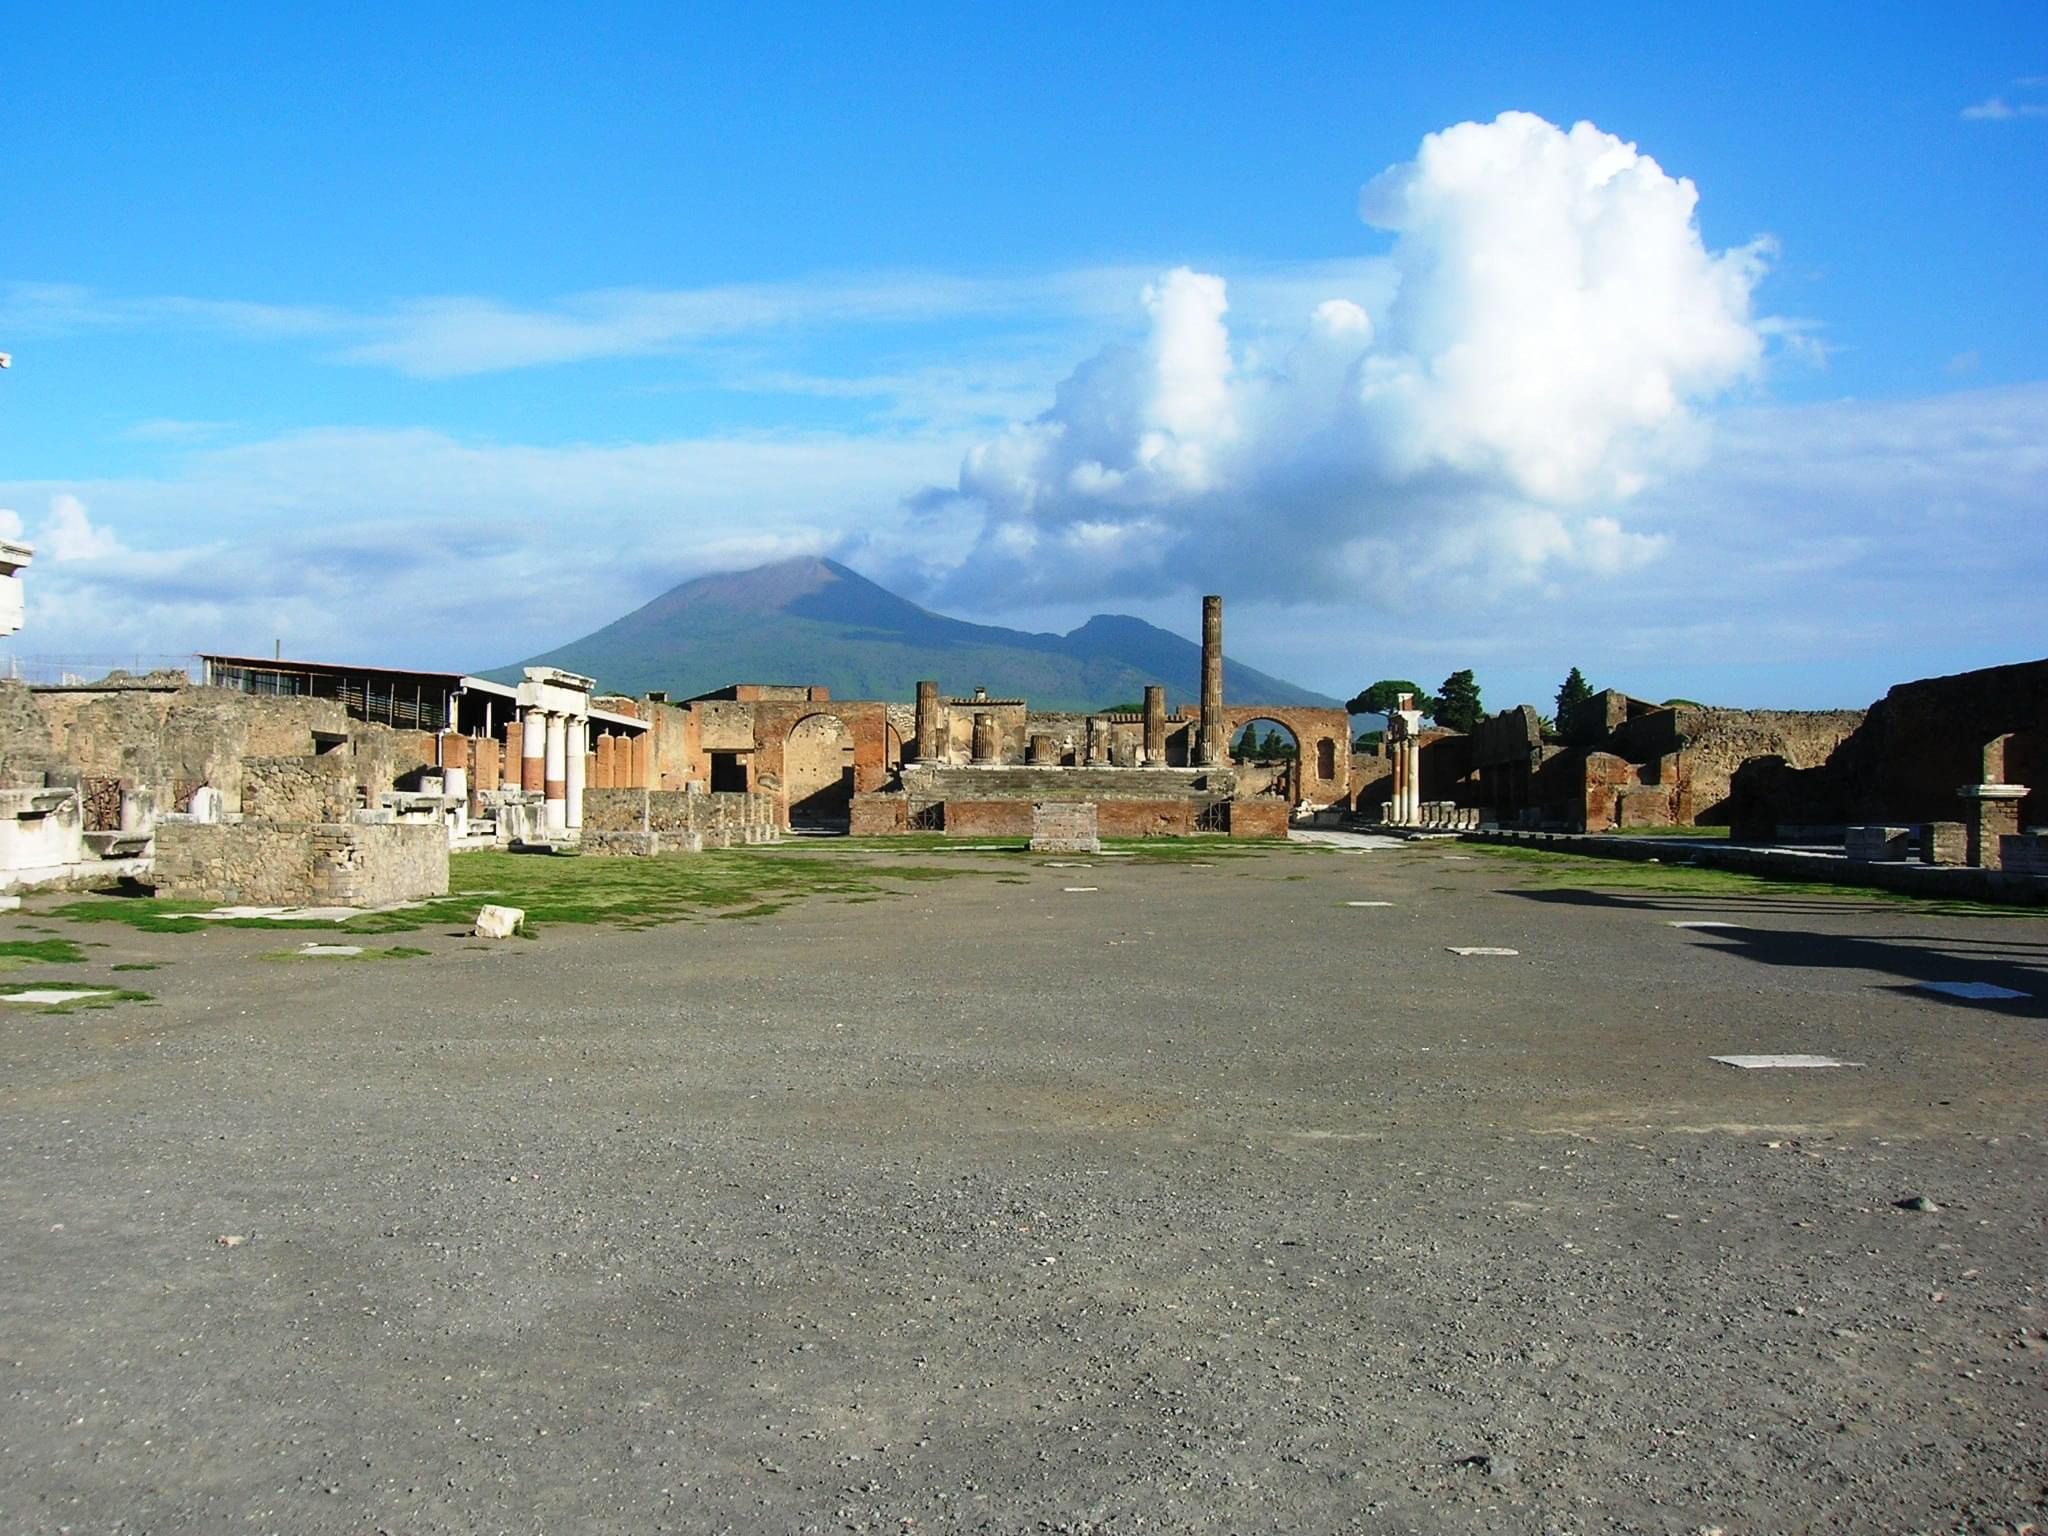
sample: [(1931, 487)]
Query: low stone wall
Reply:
[(1065, 826), (1263, 817), (879, 815), (720, 819), (265, 863)]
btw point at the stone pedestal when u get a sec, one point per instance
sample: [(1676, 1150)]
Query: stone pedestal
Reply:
[(1045, 751), (1064, 826), (1994, 813), (1876, 845), (984, 737), (1944, 842)]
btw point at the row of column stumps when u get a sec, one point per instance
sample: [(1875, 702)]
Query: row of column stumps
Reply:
[(1213, 750)]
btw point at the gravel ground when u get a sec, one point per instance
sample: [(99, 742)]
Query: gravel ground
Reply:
[(1199, 1201)]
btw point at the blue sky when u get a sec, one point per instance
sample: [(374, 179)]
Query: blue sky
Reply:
[(445, 339)]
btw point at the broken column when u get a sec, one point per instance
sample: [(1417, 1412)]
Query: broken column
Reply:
[(1097, 753), (1215, 749), (930, 742), (984, 737), (1045, 750), (1992, 808), (1155, 724)]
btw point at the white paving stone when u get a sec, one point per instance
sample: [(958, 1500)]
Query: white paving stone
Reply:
[(343, 950), (1480, 949), (48, 995), (1705, 923), (1080, 890), (1368, 903), (1794, 1059)]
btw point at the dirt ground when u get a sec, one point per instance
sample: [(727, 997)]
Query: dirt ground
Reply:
[(1200, 1200)]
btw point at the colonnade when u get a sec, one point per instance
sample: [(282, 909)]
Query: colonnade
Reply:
[(559, 759)]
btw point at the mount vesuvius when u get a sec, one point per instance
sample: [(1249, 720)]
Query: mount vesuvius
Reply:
[(814, 621)]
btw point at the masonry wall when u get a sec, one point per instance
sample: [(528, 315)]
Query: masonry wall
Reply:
[(299, 789), (282, 864), (170, 739), (722, 820)]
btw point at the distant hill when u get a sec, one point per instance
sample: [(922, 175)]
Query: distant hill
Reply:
[(815, 621)]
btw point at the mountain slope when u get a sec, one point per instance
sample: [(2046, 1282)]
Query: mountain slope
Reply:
[(815, 621)]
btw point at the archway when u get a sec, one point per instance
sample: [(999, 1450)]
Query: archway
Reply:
[(817, 771), (1267, 755)]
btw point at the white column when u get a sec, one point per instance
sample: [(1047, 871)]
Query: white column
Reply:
[(579, 745), (556, 779), (533, 744)]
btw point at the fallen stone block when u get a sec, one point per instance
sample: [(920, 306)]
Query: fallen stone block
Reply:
[(498, 922)]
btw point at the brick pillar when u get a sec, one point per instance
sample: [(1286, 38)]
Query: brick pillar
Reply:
[(1992, 812), (1155, 724), (513, 755), (601, 772), (455, 767), (483, 773), (1215, 749), (931, 744), (640, 760), (984, 737)]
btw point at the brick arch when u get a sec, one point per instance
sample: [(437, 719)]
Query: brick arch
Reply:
[(817, 768), (1321, 778)]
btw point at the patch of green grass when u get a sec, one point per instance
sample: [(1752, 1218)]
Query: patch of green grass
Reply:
[(140, 965), (16, 953), (635, 892), (1566, 871)]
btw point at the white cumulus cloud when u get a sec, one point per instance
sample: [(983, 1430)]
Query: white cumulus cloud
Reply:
[(1555, 321)]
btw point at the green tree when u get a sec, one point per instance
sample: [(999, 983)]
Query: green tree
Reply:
[(1276, 747), (1383, 695), (1367, 740), (1457, 702), (1571, 693), (1247, 746)]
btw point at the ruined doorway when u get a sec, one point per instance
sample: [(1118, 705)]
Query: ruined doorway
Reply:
[(817, 771), (728, 773), (1267, 755)]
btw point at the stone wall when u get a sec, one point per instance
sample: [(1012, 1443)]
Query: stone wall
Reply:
[(1719, 741), (262, 863), (299, 789), (168, 738), (720, 820)]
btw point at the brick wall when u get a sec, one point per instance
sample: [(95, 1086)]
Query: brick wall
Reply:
[(278, 864)]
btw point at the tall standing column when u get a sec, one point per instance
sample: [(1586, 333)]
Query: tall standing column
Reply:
[(1155, 724), (533, 751), (930, 748), (555, 784), (1214, 748), (577, 762)]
